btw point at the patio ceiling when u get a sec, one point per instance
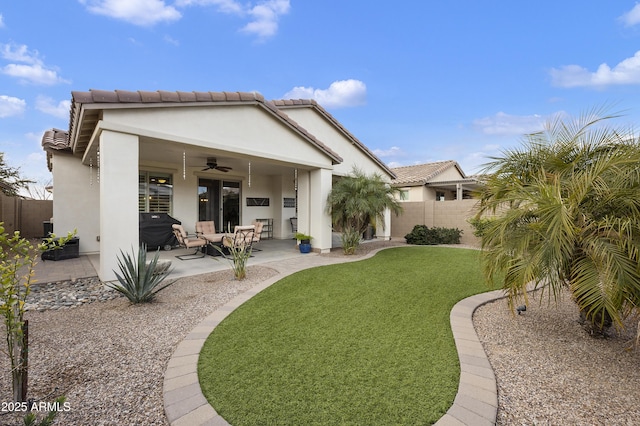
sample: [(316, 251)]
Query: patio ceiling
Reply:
[(164, 152)]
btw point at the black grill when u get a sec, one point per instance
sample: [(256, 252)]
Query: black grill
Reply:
[(156, 231)]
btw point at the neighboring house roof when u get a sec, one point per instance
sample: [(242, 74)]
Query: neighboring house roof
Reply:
[(87, 107), (55, 139), (423, 174), (310, 103)]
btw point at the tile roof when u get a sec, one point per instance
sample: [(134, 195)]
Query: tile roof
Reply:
[(422, 174), (90, 103), (97, 99), (55, 139), (310, 103)]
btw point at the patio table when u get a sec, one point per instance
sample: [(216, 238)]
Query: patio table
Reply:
[(213, 238)]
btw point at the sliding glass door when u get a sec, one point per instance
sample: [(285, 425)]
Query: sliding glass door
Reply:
[(219, 200)]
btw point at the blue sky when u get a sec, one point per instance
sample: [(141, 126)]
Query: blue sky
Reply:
[(415, 81)]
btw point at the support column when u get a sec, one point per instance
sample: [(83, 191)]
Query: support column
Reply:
[(320, 220), (384, 232), (304, 204), (118, 199)]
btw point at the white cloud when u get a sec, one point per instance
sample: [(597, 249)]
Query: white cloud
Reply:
[(626, 72), (632, 17), (48, 106), (474, 162), (503, 124), (1, 21), (20, 53), (394, 151), (263, 16), (340, 94), (137, 12), (11, 106), (225, 6), (35, 74), (32, 69)]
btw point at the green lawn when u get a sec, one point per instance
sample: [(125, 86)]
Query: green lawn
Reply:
[(367, 342)]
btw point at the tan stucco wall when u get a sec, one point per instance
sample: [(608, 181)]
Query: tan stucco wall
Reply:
[(450, 174), (445, 214)]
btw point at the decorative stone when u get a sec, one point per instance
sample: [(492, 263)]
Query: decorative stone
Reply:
[(68, 294)]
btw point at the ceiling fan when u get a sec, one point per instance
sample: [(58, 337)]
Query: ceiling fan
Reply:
[(212, 164)]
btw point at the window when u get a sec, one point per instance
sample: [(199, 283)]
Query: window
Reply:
[(155, 192), (404, 195), (440, 196)]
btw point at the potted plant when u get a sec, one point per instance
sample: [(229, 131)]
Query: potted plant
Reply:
[(305, 242)]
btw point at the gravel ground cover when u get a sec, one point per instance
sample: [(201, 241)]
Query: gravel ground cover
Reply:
[(551, 372), (108, 357)]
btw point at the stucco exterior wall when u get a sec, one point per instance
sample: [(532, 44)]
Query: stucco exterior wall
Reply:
[(449, 174), (119, 221), (225, 129), (76, 193), (337, 141)]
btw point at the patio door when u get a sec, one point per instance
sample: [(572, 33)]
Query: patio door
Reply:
[(219, 200)]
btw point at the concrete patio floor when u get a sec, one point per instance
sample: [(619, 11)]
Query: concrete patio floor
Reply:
[(86, 265)]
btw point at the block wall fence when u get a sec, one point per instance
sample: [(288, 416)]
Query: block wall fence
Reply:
[(442, 214), (26, 216)]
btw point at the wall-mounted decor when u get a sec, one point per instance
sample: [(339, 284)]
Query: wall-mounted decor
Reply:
[(257, 202), (289, 202)]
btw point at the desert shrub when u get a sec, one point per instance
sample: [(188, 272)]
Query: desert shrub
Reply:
[(140, 280), (238, 256), (479, 225), (423, 235), (17, 261)]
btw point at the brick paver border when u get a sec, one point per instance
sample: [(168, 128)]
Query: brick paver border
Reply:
[(476, 402)]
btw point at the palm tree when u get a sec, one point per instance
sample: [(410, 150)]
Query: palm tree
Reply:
[(357, 200), (566, 212)]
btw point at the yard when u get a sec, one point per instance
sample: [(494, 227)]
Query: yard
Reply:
[(357, 343), (109, 358)]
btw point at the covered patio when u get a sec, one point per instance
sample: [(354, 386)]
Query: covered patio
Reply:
[(230, 157)]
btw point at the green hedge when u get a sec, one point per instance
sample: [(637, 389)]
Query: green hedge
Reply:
[(423, 235)]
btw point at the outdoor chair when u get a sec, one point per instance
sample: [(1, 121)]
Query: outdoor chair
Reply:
[(258, 234), (205, 227), (188, 242), (207, 230), (242, 238), (294, 225)]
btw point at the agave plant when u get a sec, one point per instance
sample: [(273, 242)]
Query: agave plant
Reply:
[(140, 281)]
